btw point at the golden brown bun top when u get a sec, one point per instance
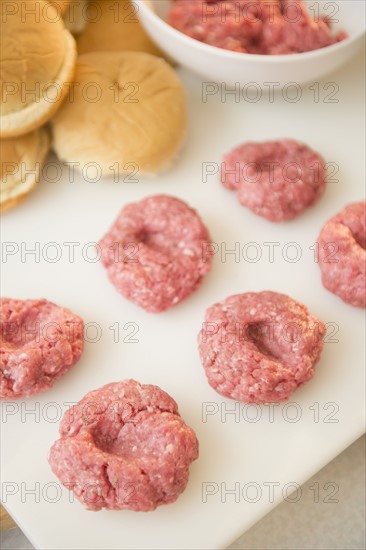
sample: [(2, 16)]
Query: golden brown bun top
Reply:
[(139, 115), (61, 5), (15, 151), (20, 165), (116, 28), (33, 50)]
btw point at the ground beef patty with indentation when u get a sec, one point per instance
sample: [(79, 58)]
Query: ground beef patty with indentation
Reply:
[(40, 342), (259, 347), (275, 179), (153, 252), (342, 254), (124, 446)]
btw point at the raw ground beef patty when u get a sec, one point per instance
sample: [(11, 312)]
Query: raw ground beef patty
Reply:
[(275, 179), (40, 342), (124, 446), (272, 27), (259, 347), (342, 254), (153, 252)]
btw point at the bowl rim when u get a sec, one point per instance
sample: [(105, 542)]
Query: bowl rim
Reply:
[(147, 5)]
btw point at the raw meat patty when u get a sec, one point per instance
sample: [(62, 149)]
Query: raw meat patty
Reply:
[(40, 342), (124, 446), (342, 254), (259, 347), (153, 252), (272, 27), (275, 179)]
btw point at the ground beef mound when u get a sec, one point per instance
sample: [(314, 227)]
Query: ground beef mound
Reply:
[(40, 342), (259, 347), (277, 180), (124, 446), (153, 252), (263, 27), (342, 254)]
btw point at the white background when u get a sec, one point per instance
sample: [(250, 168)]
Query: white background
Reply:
[(166, 353)]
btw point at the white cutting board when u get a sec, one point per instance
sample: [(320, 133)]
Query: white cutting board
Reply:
[(271, 450)]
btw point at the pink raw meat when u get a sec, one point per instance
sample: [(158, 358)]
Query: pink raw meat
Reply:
[(265, 27), (275, 179), (40, 342), (153, 252), (124, 446), (342, 254), (259, 347)]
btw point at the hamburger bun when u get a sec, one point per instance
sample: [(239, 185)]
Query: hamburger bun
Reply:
[(76, 16), (20, 167), (116, 28), (128, 107), (37, 65), (60, 5)]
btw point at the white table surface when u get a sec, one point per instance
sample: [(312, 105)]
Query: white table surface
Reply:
[(306, 447), (313, 525)]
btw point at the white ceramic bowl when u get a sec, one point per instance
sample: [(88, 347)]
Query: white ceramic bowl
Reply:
[(221, 65)]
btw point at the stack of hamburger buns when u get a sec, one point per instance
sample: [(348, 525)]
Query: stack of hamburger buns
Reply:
[(85, 79)]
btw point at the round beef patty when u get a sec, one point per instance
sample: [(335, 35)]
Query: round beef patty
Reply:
[(275, 179), (124, 446), (259, 347), (342, 254), (40, 342), (153, 252)]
